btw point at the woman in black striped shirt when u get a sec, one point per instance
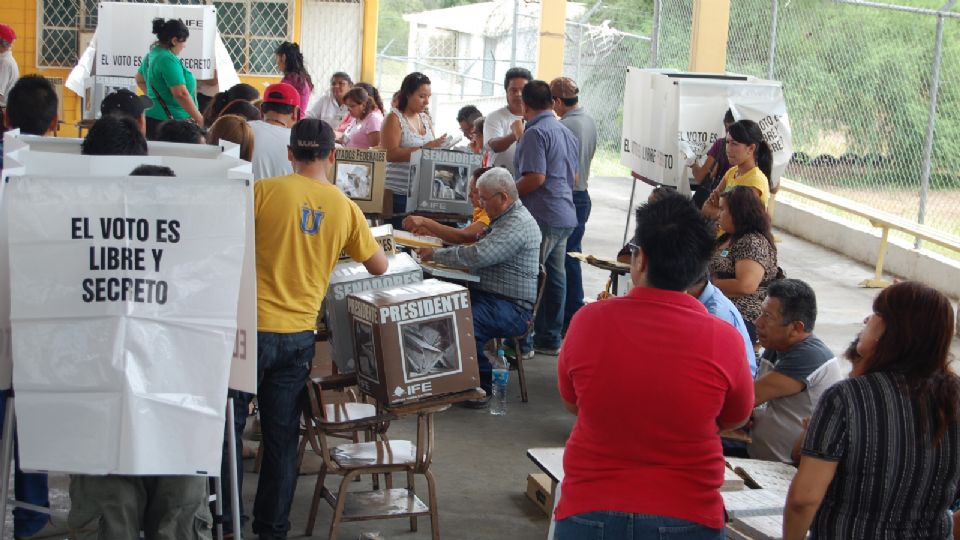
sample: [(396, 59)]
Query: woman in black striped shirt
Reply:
[(881, 459)]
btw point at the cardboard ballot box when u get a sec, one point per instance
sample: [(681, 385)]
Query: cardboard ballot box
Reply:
[(360, 175), (441, 181), (414, 341), (352, 277)]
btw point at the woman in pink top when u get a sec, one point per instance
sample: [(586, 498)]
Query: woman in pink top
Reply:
[(290, 63), (364, 128)]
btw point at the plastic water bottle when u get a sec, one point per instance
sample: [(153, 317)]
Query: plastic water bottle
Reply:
[(498, 403)]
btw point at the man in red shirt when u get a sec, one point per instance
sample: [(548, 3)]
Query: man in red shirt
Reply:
[(652, 378)]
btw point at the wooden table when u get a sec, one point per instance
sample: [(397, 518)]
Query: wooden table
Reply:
[(615, 267), (448, 273)]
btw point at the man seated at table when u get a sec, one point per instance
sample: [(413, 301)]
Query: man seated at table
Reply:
[(454, 235), (507, 259), (796, 368)]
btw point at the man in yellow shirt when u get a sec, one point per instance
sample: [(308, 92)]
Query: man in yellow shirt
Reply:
[(303, 222)]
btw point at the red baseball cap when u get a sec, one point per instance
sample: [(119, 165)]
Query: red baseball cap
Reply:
[(282, 93), (7, 34)]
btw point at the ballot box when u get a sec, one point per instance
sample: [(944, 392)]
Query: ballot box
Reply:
[(351, 277), (442, 180), (360, 175), (414, 341)]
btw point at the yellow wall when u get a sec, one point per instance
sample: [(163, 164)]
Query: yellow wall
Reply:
[(22, 16)]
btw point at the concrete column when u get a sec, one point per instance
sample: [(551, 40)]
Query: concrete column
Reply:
[(553, 27), (368, 51), (708, 37)]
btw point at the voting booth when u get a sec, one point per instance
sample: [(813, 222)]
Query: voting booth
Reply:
[(671, 118), (132, 304), (414, 341), (351, 277)]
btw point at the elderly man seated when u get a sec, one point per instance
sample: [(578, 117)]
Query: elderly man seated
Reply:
[(454, 235), (506, 257)]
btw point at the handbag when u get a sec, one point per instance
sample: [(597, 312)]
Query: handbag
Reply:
[(166, 109)]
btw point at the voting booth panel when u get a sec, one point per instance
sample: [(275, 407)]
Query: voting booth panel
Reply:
[(124, 296), (672, 118), (121, 51), (414, 341), (360, 175), (350, 277), (54, 156)]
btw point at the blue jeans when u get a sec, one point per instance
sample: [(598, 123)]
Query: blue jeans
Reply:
[(623, 526), (574, 300), (29, 488), (494, 317), (283, 366), (549, 321)]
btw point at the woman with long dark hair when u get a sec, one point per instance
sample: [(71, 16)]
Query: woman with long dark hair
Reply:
[(751, 163), (881, 458), (236, 93), (744, 260), (290, 63), (165, 80), (406, 130)]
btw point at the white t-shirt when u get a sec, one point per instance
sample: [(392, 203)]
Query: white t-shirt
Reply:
[(9, 73), (326, 109), (497, 124), (270, 143)]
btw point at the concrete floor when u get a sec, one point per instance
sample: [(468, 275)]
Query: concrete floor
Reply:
[(480, 461)]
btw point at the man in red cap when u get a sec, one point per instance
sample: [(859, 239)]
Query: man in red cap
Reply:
[(280, 108), (9, 71)]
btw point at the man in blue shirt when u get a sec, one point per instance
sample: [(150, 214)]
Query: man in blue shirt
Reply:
[(721, 307), (547, 163)]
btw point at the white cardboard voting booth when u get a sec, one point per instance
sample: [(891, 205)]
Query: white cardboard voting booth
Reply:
[(33, 155), (124, 295), (671, 118)]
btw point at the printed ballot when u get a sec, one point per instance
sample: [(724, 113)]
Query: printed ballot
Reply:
[(124, 298)]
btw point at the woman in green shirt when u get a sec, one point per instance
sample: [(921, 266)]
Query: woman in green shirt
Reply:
[(165, 80)]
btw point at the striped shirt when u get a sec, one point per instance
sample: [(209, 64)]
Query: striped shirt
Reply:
[(891, 482), (506, 257)]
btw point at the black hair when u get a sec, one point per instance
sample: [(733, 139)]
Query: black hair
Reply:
[(181, 131), (728, 117), (293, 61), (32, 105), (219, 103), (411, 83), (798, 302), (468, 113), (114, 135), (537, 96), (279, 108), (166, 30), (152, 170), (243, 91), (359, 95), (748, 215), (242, 108), (516, 73), (569, 101), (748, 132), (341, 75), (373, 93), (676, 241), (318, 133)]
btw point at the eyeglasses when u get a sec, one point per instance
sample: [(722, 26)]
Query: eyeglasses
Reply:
[(485, 199), (634, 249)]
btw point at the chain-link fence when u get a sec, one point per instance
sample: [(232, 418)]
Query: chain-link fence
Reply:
[(251, 29), (857, 80), (465, 50)]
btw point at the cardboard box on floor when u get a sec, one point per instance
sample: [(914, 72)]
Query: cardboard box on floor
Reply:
[(540, 491), (350, 277), (414, 341)]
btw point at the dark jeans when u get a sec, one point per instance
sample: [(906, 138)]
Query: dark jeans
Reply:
[(623, 526), (494, 317), (283, 366), (29, 488), (574, 301), (549, 321)]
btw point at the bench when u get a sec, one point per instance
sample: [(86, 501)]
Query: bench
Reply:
[(878, 218)]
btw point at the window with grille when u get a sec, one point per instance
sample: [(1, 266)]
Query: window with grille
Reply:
[(251, 30)]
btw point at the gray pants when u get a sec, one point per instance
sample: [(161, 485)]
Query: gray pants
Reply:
[(118, 507)]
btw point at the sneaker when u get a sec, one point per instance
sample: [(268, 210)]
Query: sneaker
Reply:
[(50, 530), (480, 403), (511, 355), (548, 351)]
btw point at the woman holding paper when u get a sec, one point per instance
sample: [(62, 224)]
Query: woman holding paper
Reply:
[(165, 80)]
